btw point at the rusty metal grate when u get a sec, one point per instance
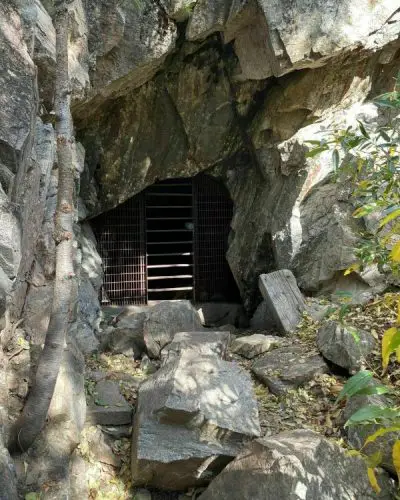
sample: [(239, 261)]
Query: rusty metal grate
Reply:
[(121, 239), (213, 214), (168, 243)]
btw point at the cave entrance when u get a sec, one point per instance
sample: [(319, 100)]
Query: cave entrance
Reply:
[(168, 243)]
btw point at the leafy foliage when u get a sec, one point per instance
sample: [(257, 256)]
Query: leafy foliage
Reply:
[(368, 159)]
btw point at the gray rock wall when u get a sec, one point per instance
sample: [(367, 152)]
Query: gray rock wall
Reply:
[(236, 88)]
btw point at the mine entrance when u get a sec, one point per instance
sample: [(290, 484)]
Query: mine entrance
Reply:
[(168, 243)]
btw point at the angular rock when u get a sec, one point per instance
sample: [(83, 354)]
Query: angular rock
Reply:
[(286, 368), (87, 325), (283, 297), (164, 320), (261, 319), (147, 366), (128, 340), (193, 416), (99, 447), (295, 465), (215, 314), (345, 346), (108, 406), (357, 434), (204, 343), (5, 287), (254, 345)]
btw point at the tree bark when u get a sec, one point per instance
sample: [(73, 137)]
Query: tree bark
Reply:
[(33, 416)]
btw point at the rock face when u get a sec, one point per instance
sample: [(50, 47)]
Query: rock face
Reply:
[(343, 346), (286, 368), (193, 416), (295, 465)]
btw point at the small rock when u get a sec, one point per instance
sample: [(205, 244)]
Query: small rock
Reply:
[(262, 319), (98, 448), (118, 431), (108, 407), (286, 368), (344, 346), (147, 366), (142, 494), (205, 343), (254, 345)]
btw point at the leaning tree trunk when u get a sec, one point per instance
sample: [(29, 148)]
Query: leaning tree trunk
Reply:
[(34, 414)]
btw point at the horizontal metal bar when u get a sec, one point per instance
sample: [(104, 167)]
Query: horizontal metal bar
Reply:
[(170, 289), (165, 193), (188, 219), (169, 230), (164, 266), (166, 183), (169, 206), (175, 277), (180, 254), (168, 242)]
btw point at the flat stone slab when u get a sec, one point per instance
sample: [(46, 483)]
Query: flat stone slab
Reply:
[(204, 343), (287, 368), (254, 345), (283, 298), (108, 406)]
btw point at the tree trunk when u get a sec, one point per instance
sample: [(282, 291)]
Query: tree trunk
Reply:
[(34, 414)]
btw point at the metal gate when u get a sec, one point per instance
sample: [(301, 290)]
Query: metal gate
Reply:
[(167, 243), (121, 240)]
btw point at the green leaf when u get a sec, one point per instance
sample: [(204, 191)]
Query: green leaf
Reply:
[(355, 384), (316, 151), (362, 129), (371, 413), (383, 134), (32, 496), (335, 159), (374, 389)]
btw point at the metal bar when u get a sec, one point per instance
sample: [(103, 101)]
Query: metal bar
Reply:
[(184, 254), (169, 230), (176, 276), (164, 266), (170, 289), (168, 242)]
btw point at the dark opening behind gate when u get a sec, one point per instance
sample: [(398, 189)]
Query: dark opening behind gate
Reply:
[(168, 243)]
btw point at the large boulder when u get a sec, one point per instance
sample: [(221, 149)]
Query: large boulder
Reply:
[(344, 346), (164, 320), (205, 343), (193, 416), (295, 465)]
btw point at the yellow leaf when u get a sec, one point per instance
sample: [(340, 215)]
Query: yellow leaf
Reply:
[(398, 312), (373, 480), (381, 432), (353, 453), (393, 215), (396, 457), (352, 268), (395, 253), (386, 341)]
